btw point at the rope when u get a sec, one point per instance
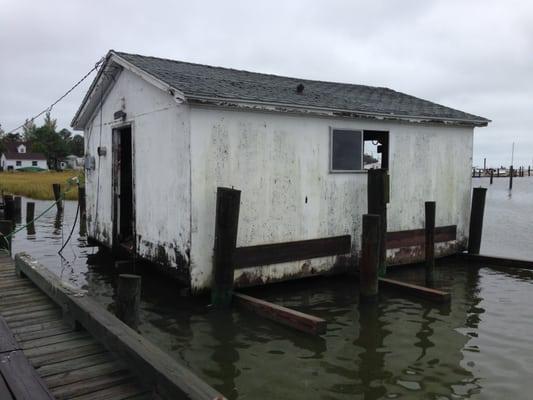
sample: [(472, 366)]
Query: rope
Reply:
[(9, 235), (72, 230)]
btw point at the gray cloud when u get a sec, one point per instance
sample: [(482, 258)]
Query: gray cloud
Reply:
[(476, 56)]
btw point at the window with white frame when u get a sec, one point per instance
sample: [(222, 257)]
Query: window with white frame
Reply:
[(34, 163), (346, 150)]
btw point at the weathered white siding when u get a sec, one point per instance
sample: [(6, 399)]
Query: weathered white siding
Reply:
[(161, 136), (281, 164)]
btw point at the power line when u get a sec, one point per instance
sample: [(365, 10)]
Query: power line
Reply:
[(49, 108)]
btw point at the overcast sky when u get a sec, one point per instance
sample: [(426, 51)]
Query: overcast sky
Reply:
[(476, 56)]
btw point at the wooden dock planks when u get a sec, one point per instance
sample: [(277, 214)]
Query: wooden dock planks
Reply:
[(67, 363), (156, 370)]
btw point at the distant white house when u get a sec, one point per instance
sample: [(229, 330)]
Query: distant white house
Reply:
[(17, 156), (72, 162)]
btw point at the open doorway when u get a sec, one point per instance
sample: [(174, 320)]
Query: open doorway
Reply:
[(123, 201), (376, 149)]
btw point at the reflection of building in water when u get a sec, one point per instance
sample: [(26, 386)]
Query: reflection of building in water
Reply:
[(427, 343)]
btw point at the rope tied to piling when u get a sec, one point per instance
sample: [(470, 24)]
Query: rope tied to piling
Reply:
[(71, 183)]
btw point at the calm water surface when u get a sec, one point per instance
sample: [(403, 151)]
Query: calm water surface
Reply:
[(479, 347)]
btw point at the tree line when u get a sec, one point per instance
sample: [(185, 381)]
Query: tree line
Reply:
[(46, 139)]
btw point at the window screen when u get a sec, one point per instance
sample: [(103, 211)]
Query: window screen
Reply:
[(346, 150)]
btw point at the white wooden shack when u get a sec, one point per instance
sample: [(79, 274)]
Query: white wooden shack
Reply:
[(162, 135)]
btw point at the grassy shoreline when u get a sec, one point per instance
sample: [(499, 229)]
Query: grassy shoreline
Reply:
[(37, 185)]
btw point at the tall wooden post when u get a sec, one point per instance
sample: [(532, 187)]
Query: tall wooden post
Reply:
[(476, 220), (226, 225), (368, 270), (9, 207), (57, 195), (17, 208), (6, 226), (430, 243), (129, 299), (83, 210), (529, 170), (491, 175), (378, 197), (511, 173), (30, 215)]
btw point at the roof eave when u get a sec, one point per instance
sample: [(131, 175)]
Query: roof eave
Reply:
[(285, 107), (89, 106)]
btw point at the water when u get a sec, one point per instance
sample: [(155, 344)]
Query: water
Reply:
[(479, 347)]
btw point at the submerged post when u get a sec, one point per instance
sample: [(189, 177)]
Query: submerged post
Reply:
[(226, 224), (17, 207), (529, 170), (511, 172), (378, 197), (476, 220), (491, 175), (129, 299), (430, 243), (30, 215), (9, 207), (369, 267), (83, 210), (6, 226), (57, 196)]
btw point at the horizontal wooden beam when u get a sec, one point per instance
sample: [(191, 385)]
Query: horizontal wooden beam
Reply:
[(295, 319), (275, 253), (416, 237), (416, 290), (156, 369), (496, 261)]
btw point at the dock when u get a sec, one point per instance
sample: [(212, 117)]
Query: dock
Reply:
[(57, 343)]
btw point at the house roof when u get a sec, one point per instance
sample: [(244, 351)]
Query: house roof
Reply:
[(11, 152), (217, 85), (24, 156)]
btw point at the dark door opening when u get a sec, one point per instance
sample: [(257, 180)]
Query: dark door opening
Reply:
[(124, 217)]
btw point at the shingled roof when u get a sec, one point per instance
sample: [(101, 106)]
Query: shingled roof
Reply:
[(207, 83)]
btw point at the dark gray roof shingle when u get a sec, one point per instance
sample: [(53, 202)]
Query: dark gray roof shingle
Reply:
[(197, 80)]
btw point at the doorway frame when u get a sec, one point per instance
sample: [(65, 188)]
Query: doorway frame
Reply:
[(115, 183)]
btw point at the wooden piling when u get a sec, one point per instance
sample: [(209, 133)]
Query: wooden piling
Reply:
[(430, 243), (17, 207), (529, 170), (511, 173), (6, 226), (476, 220), (56, 187), (30, 211), (83, 210), (9, 207), (378, 197), (491, 175), (30, 216), (226, 224), (370, 257), (129, 299)]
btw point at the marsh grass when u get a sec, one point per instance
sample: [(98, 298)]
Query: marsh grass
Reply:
[(38, 185)]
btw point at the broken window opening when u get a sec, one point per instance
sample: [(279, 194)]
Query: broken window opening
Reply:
[(376, 150)]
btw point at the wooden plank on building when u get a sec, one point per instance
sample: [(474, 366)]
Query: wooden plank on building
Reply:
[(295, 319), (496, 261), (21, 378), (415, 290), (416, 237), (276, 253)]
